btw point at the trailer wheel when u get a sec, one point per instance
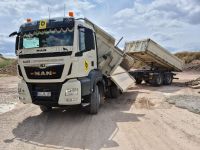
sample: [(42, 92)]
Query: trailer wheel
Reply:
[(158, 80), (147, 81), (114, 91), (168, 79), (138, 81), (45, 108), (95, 99)]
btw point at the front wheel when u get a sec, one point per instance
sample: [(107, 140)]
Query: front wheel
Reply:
[(95, 99)]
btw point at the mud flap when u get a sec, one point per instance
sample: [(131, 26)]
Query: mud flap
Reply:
[(122, 79)]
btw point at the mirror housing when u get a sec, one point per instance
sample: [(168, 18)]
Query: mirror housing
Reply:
[(13, 34)]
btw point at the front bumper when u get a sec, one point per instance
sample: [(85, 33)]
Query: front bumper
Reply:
[(28, 93)]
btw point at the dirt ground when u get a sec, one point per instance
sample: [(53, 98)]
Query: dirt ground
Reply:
[(140, 119)]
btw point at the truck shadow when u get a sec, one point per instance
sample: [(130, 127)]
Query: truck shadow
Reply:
[(72, 128)]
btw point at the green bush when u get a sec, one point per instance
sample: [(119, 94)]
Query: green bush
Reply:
[(5, 62)]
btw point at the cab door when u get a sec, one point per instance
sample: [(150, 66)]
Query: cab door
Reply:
[(87, 56)]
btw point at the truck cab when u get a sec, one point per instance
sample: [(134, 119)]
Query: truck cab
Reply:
[(57, 64)]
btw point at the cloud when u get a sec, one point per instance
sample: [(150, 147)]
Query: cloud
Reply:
[(175, 24), (161, 37), (14, 13), (168, 22)]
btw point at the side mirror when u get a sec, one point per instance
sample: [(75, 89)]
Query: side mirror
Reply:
[(13, 34), (16, 44)]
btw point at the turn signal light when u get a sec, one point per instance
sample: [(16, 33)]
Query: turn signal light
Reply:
[(28, 20), (71, 14)]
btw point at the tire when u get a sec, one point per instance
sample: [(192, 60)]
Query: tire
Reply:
[(95, 99), (158, 80), (138, 81), (45, 108), (114, 91), (168, 79), (147, 81), (102, 95)]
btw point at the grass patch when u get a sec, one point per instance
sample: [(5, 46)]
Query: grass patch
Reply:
[(5, 62)]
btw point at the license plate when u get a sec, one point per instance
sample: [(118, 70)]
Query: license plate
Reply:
[(44, 94)]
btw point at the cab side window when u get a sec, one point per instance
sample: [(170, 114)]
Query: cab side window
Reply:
[(82, 39), (86, 39)]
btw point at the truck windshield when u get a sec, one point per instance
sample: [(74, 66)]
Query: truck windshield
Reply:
[(48, 38)]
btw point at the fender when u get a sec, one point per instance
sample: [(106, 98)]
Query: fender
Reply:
[(95, 76), (88, 83)]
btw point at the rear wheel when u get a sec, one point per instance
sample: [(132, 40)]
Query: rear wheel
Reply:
[(114, 91), (168, 79), (158, 80), (45, 108)]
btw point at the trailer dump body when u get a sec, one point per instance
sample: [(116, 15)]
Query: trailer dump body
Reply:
[(154, 55)]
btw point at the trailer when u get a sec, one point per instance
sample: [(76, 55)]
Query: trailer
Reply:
[(162, 64)]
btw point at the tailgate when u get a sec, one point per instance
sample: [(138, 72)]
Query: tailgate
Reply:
[(122, 79)]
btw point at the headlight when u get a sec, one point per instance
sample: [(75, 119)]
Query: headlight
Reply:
[(72, 91)]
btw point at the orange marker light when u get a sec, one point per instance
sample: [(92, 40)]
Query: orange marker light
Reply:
[(71, 14), (28, 20)]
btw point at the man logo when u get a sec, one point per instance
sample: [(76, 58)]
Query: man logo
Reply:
[(43, 73)]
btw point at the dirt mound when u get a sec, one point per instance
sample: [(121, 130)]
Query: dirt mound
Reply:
[(192, 66), (194, 83), (188, 57)]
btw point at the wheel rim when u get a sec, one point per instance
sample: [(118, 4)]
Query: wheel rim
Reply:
[(169, 79), (159, 80), (98, 95)]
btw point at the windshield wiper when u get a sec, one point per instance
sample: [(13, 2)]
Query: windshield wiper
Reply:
[(65, 49)]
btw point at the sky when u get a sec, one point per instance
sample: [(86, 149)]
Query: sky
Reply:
[(174, 24)]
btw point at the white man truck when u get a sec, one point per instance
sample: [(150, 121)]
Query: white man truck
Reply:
[(68, 61)]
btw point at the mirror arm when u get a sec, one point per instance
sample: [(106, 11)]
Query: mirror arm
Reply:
[(14, 33)]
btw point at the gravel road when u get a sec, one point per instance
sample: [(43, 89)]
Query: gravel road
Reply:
[(140, 119)]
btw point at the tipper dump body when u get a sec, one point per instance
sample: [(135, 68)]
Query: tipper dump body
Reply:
[(111, 57), (154, 55), (162, 63)]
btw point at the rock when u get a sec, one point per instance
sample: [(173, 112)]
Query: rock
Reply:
[(189, 102)]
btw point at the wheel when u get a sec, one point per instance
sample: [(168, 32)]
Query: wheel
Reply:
[(45, 108), (95, 99), (158, 80), (147, 81), (168, 79), (102, 95), (138, 81), (114, 91)]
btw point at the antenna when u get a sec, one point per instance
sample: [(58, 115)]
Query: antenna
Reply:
[(119, 41), (49, 12), (64, 10)]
